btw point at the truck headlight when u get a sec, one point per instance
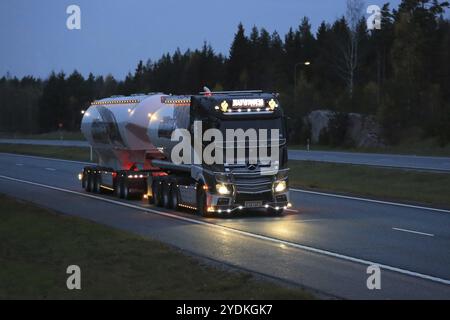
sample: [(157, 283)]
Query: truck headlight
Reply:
[(222, 188), (280, 186)]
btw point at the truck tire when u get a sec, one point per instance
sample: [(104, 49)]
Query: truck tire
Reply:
[(84, 180), (166, 194), (97, 182), (174, 196), (156, 191), (117, 188), (125, 189), (201, 202), (90, 182)]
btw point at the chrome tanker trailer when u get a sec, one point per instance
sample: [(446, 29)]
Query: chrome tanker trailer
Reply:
[(135, 137)]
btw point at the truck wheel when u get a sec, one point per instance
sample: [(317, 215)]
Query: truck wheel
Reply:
[(90, 182), (201, 202), (84, 180), (156, 190), (166, 194), (117, 188), (96, 181), (174, 196)]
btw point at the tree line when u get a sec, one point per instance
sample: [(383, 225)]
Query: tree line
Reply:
[(399, 73)]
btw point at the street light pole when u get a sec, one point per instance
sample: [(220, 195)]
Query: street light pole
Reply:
[(304, 63)]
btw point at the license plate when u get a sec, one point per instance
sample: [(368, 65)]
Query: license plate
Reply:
[(253, 204)]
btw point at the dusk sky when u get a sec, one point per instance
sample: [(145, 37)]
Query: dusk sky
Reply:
[(116, 34)]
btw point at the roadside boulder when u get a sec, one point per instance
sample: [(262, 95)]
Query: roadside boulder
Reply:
[(361, 130)]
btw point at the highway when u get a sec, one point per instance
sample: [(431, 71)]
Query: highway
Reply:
[(325, 243), (372, 159)]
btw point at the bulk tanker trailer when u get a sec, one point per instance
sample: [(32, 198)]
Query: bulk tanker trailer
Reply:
[(132, 137)]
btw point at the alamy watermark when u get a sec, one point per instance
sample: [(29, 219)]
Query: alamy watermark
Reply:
[(73, 21), (374, 20), (374, 280), (252, 147), (74, 280)]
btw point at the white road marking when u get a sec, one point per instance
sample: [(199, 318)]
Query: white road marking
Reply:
[(292, 189), (19, 164), (240, 232), (412, 231), (50, 169), (370, 200)]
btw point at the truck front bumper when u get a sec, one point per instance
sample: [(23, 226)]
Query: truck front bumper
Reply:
[(237, 203)]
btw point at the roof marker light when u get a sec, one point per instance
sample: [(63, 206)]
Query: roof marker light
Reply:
[(224, 106)]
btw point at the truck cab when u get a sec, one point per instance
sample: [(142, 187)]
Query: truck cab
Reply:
[(242, 179), (240, 182)]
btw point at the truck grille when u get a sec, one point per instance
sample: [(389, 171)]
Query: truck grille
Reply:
[(241, 198), (253, 183)]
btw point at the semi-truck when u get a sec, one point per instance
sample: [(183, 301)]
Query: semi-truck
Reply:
[(132, 137)]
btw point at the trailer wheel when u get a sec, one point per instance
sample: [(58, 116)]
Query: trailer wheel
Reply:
[(125, 189), (117, 187), (90, 182), (174, 196), (84, 180), (156, 191), (96, 182)]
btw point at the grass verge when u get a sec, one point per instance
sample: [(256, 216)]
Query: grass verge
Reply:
[(422, 147), (55, 135), (67, 153), (393, 184), (37, 246)]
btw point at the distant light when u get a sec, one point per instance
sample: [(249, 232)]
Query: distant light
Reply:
[(307, 63), (216, 107), (82, 111), (80, 176), (229, 210), (149, 115), (129, 110), (241, 207)]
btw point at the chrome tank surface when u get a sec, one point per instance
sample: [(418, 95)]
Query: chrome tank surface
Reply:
[(130, 131)]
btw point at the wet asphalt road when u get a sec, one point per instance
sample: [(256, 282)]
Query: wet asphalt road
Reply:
[(325, 243)]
